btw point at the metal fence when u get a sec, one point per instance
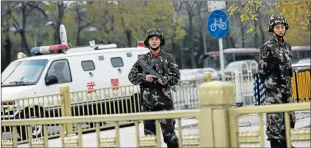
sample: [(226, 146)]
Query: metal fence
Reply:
[(217, 120), (300, 85), (257, 137), (112, 100), (186, 95), (31, 108), (249, 90), (122, 100)]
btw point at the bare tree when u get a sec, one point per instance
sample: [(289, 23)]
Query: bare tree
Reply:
[(190, 9), (24, 9), (177, 7), (7, 8), (81, 19), (61, 7)]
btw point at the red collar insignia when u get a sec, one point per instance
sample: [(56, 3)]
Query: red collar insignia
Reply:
[(155, 55)]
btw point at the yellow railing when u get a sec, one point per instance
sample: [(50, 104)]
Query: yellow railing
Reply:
[(214, 127), (75, 139), (258, 136), (112, 100), (217, 120), (48, 106)]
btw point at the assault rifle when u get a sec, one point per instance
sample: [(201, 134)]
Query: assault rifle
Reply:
[(151, 71)]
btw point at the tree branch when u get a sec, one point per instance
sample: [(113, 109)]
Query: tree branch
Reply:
[(84, 26), (16, 24), (193, 4), (40, 10), (177, 8)]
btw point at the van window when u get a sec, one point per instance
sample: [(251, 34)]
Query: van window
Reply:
[(88, 65), (27, 72), (117, 62), (61, 70)]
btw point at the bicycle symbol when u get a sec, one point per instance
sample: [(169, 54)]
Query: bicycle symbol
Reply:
[(218, 24)]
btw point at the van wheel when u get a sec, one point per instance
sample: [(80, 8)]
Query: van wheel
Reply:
[(36, 130)]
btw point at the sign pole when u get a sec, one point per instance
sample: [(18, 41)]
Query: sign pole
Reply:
[(218, 26), (221, 55)]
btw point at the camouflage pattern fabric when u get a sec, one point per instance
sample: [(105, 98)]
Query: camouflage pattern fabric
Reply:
[(156, 97), (274, 68)]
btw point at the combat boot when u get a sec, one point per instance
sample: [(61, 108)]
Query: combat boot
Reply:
[(279, 144), (172, 145)]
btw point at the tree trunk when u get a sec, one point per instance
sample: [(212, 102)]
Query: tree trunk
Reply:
[(193, 65), (127, 32), (22, 32), (24, 43), (6, 57), (79, 24), (78, 37), (203, 47), (262, 33), (242, 34), (128, 36), (232, 42), (255, 35), (61, 13)]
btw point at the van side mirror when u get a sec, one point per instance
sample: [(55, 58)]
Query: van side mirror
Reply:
[(51, 79)]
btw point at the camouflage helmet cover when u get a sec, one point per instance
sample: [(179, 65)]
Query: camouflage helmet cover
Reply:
[(154, 32), (274, 20)]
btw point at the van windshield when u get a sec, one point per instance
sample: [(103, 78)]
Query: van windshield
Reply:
[(23, 73)]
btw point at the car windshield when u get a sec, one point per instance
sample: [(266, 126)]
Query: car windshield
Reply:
[(22, 73)]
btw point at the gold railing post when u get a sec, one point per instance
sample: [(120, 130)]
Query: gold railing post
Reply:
[(216, 98), (66, 107), (207, 77)]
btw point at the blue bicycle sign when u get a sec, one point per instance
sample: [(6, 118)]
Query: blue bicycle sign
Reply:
[(218, 24)]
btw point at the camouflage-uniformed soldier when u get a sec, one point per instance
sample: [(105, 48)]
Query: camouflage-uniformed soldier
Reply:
[(275, 60), (156, 96)]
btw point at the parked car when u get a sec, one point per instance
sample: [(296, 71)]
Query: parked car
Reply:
[(215, 75), (198, 73), (302, 64), (306, 60), (244, 66), (187, 74)]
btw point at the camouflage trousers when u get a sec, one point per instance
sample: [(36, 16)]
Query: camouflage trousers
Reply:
[(160, 100), (276, 121)]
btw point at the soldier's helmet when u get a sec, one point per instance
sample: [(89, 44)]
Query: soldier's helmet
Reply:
[(154, 32), (274, 20)]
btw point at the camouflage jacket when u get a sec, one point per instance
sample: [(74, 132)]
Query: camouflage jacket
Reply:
[(163, 63), (275, 60)]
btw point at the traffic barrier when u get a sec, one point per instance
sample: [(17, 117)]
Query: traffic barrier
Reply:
[(300, 85)]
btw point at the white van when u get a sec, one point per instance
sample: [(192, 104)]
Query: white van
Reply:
[(28, 77), (100, 66), (34, 76), (81, 68)]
